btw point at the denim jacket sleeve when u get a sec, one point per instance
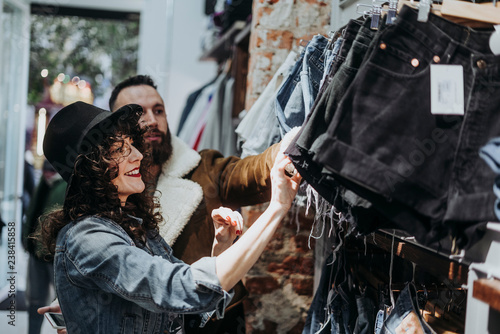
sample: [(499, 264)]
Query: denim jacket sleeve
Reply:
[(98, 254)]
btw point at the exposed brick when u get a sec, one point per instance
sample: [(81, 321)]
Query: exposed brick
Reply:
[(301, 243), (249, 306), (262, 12), (316, 2), (274, 267), (303, 286), (307, 266), (276, 242), (261, 285), (269, 327), (280, 39), (292, 265), (298, 328)]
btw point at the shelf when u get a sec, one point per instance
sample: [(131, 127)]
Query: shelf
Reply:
[(221, 50), (439, 264)]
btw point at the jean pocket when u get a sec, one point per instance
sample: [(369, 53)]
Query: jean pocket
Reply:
[(399, 54)]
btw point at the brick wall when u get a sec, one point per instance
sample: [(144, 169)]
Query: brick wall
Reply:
[(277, 27), (280, 284)]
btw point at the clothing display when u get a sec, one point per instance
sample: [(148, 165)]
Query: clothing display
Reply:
[(386, 144), (373, 131), (206, 121), (378, 150)]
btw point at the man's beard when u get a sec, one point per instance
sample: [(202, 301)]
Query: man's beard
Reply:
[(162, 150)]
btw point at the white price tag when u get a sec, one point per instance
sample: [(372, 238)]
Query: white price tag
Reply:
[(447, 90), (495, 41)]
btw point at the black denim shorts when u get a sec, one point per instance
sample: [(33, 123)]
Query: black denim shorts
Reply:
[(384, 138)]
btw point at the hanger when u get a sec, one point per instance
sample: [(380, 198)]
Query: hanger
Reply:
[(488, 12), (473, 15), (374, 11)]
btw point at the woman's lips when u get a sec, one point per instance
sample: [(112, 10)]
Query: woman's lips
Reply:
[(133, 173)]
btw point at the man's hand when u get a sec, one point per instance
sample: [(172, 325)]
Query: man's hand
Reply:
[(53, 307), (228, 225)]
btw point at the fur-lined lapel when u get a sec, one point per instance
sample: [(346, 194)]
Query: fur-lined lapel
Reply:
[(179, 197)]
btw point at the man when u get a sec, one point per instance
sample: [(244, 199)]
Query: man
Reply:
[(191, 184)]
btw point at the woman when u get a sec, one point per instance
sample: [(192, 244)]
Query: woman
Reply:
[(113, 271)]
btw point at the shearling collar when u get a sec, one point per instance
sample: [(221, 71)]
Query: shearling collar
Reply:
[(179, 197)]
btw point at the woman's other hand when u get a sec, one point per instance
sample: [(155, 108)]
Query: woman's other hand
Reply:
[(228, 225)]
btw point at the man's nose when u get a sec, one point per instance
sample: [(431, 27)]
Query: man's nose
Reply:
[(149, 119)]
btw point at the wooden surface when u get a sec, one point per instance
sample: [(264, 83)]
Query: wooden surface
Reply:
[(488, 291), (436, 264)]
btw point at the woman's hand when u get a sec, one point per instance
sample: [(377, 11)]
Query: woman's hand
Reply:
[(284, 188), (53, 307), (228, 224)]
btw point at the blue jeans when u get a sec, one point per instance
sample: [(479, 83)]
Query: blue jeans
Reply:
[(491, 155), (294, 94), (406, 304), (317, 314)]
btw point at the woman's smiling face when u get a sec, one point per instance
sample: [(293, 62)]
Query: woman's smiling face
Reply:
[(129, 180)]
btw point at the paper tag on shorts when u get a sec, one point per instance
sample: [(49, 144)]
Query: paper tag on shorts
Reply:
[(447, 90)]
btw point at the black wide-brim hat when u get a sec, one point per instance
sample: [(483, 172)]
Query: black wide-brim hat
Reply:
[(76, 129)]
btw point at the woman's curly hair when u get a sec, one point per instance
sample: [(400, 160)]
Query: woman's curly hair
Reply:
[(91, 191)]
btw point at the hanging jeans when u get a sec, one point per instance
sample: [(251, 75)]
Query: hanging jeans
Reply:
[(384, 138), (357, 40), (317, 314), (290, 106), (491, 155), (406, 315)]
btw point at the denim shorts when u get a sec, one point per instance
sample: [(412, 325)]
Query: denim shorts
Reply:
[(290, 107), (384, 138), (406, 306), (322, 113)]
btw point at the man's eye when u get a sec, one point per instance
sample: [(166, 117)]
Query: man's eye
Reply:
[(159, 111)]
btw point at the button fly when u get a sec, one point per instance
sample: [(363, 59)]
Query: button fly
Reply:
[(481, 64)]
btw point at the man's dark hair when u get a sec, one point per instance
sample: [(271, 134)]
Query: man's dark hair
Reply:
[(131, 81)]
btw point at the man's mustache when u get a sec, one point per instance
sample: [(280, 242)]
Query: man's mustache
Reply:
[(155, 133)]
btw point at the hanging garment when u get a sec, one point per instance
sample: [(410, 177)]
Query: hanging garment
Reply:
[(406, 315), (211, 135), (190, 102), (199, 109), (384, 138), (259, 128), (357, 40), (290, 105), (491, 155)]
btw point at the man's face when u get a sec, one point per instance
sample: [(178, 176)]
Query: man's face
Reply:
[(154, 117)]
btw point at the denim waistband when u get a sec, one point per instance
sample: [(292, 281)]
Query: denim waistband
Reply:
[(445, 37)]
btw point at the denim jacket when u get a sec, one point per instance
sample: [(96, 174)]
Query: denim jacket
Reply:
[(105, 284)]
